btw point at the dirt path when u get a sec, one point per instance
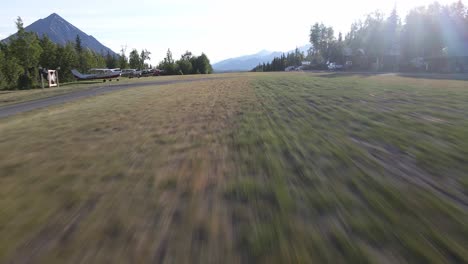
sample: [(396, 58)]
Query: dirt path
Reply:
[(10, 110)]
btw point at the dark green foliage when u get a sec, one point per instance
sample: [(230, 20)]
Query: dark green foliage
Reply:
[(67, 59), (2, 61), (188, 64), (48, 58), (10, 68), (203, 65), (26, 49), (168, 65), (185, 66), (111, 61), (185, 63), (12, 71), (80, 53), (134, 59), (94, 60)]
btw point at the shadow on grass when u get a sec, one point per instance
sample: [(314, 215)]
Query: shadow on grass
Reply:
[(7, 91), (75, 83), (436, 76), (79, 83), (331, 75), (432, 76)]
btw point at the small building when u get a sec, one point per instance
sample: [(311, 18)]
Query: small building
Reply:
[(453, 59)]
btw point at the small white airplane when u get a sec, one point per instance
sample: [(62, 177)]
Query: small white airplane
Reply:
[(96, 74)]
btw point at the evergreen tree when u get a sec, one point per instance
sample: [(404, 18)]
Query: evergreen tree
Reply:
[(168, 65), (111, 61), (81, 53), (67, 59), (48, 58), (78, 46), (10, 68), (27, 51), (134, 60)]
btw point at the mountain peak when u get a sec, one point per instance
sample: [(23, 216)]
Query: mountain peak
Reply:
[(264, 52), (53, 15), (61, 32)]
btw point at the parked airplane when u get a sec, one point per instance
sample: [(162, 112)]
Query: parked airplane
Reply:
[(131, 73), (96, 74)]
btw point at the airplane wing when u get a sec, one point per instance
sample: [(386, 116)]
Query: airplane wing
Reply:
[(105, 74)]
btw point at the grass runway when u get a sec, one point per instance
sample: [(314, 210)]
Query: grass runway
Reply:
[(260, 168)]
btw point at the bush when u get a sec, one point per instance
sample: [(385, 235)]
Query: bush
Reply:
[(25, 82)]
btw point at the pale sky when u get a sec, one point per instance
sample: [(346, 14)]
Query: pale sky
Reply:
[(221, 29)]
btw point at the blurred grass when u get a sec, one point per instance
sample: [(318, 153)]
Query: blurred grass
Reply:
[(261, 168), (9, 97), (353, 169)]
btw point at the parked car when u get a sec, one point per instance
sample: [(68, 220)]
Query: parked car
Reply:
[(131, 73), (339, 67), (151, 72), (335, 67)]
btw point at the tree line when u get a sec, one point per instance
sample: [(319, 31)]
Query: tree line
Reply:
[(187, 64), (428, 32), (280, 63), (25, 53)]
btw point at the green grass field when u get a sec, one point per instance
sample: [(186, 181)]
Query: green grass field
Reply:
[(260, 168)]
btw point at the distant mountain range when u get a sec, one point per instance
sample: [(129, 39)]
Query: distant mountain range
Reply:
[(248, 62), (61, 32)]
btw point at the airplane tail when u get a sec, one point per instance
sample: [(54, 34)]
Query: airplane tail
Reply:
[(77, 74)]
